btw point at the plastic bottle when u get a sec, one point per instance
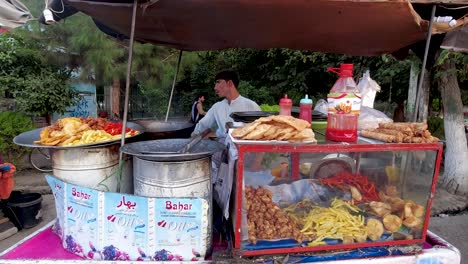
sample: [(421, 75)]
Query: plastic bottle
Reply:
[(285, 105), (344, 104), (305, 106)]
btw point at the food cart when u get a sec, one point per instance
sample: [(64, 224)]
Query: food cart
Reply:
[(351, 155)]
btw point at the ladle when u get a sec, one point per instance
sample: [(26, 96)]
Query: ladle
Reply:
[(192, 142)]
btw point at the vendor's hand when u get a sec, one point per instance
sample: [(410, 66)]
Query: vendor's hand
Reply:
[(212, 135)]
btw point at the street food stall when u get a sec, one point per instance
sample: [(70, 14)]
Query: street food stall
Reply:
[(309, 200)]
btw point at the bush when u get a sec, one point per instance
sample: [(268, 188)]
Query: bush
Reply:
[(11, 125), (436, 127)]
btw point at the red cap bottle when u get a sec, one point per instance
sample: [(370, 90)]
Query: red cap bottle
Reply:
[(285, 105)]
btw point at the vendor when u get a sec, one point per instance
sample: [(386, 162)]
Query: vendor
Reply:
[(226, 83)]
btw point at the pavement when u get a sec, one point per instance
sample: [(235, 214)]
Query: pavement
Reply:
[(449, 215)]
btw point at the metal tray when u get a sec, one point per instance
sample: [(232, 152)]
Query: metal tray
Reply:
[(27, 139), (251, 116), (166, 149)]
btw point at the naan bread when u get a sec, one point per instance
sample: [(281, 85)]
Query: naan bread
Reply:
[(243, 131), (258, 132), (282, 128), (298, 124)]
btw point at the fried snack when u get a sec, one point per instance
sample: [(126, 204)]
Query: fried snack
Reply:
[(401, 133), (392, 222), (417, 210), (391, 190), (403, 127), (306, 134), (70, 131), (355, 194), (378, 136), (374, 228), (335, 222), (282, 128), (379, 208), (243, 131), (407, 210), (413, 222), (297, 123), (265, 219), (398, 134), (278, 130), (397, 204), (258, 132)]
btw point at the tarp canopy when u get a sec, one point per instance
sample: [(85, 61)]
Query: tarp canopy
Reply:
[(13, 14), (353, 27)]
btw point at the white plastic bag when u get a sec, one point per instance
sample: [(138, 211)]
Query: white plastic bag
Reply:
[(368, 88), (321, 106), (369, 118)]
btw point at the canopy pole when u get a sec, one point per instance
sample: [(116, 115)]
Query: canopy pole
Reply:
[(127, 92), (421, 78), (173, 84)]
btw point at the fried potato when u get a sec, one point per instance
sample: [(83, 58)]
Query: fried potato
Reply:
[(392, 222), (412, 222), (374, 229)]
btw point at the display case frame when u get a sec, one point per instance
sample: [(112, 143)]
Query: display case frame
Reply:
[(362, 146)]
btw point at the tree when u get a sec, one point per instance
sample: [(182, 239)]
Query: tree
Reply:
[(38, 87), (456, 153)]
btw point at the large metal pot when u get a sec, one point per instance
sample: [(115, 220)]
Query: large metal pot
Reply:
[(161, 171), (161, 130)]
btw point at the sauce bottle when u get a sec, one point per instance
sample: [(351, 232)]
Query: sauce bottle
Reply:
[(305, 106), (285, 105), (344, 104)]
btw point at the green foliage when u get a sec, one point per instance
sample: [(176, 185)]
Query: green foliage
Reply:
[(270, 108), (39, 88), (461, 64), (266, 75), (436, 127), (11, 125)]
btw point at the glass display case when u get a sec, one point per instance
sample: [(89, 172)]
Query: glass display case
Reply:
[(332, 196)]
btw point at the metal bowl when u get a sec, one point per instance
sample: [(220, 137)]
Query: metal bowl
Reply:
[(166, 149), (155, 129)]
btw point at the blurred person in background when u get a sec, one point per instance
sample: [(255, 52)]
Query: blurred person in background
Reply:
[(197, 109)]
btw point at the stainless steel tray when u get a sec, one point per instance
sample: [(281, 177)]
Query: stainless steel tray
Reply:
[(27, 139)]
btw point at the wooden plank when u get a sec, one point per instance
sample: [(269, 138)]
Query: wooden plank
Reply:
[(445, 2), (7, 229), (4, 220)]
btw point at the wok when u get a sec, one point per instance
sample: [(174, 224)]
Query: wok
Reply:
[(162, 130)]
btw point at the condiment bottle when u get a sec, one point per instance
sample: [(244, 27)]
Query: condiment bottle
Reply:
[(285, 105), (344, 105), (305, 106)]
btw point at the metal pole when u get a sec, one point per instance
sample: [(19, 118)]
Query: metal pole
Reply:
[(173, 84), (127, 91), (426, 51)]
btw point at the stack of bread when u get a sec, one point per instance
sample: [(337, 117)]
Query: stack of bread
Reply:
[(276, 127), (401, 133)]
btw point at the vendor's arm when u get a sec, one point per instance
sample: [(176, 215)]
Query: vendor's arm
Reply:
[(206, 122), (200, 109)]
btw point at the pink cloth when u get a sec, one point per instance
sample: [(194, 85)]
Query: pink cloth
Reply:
[(45, 245)]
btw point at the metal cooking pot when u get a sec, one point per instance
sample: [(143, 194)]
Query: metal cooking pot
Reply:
[(161, 130), (167, 149)]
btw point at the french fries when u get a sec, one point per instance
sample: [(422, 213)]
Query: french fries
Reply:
[(335, 222)]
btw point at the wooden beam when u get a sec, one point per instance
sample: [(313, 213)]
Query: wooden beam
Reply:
[(445, 2)]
